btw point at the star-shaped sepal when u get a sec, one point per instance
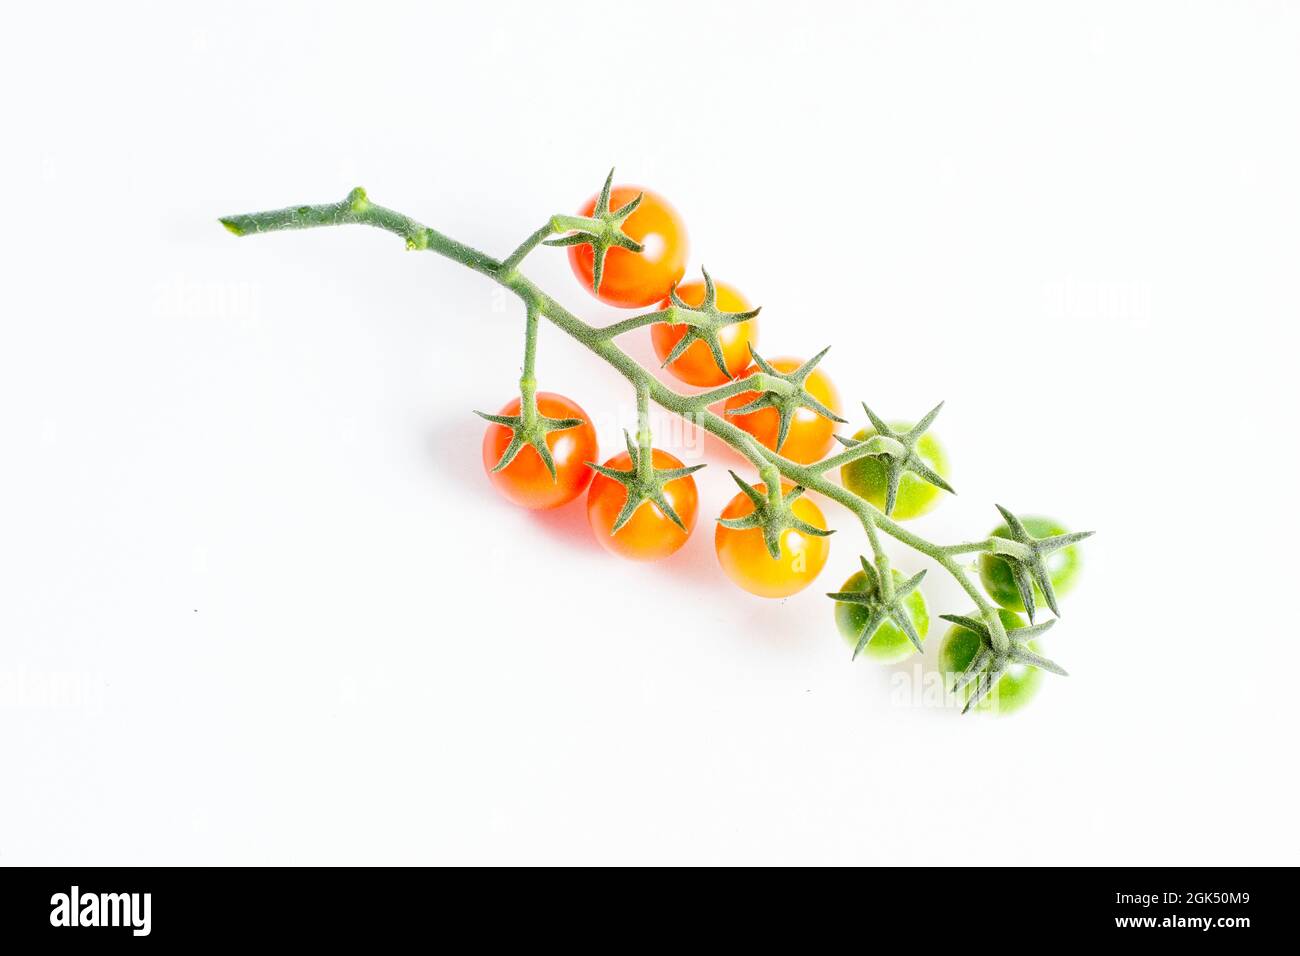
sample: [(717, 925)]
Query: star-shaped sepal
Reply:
[(644, 482), (905, 457), (773, 514), (787, 401), (703, 322), (602, 230), (1027, 559), (988, 664), (529, 430), (879, 608)]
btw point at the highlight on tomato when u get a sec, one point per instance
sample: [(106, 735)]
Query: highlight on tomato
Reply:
[(631, 280), (810, 435), (527, 481), (697, 365), (745, 559), (649, 534)]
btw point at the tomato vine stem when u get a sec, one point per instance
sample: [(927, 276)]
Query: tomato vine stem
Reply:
[(772, 467), (528, 380)]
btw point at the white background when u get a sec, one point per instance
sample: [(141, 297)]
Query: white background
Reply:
[(259, 604)]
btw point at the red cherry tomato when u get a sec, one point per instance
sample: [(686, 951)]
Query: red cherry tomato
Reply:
[(526, 481), (632, 280)]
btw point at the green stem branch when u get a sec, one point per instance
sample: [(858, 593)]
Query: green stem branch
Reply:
[(616, 329), (528, 380), (645, 457), (875, 445), (968, 547), (511, 262)]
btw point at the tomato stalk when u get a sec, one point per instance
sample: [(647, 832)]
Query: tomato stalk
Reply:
[(875, 445), (723, 392), (969, 547), (705, 320), (614, 330), (645, 460), (528, 379), (511, 262), (881, 557)]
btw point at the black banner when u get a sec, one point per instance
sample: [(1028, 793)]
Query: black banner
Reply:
[(101, 907)]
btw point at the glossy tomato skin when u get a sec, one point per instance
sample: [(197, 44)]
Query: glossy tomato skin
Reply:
[(632, 280), (810, 436), (889, 644), (649, 534), (526, 481), (1062, 566), (1017, 686), (696, 366), (867, 477), (744, 557)]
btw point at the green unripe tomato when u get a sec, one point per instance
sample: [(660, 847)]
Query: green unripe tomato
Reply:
[(1018, 684), (889, 645), (866, 477), (1062, 566)]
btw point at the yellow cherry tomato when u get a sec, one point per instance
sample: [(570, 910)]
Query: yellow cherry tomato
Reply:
[(745, 559), (811, 436)]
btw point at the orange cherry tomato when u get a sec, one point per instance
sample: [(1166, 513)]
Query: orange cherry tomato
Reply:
[(632, 280), (810, 436), (745, 559), (696, 366), (526, 481), (649, 534)]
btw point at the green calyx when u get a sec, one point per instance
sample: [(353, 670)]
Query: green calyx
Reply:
[(903, 457), (882, 603), (602, 230), (1026, 556), (787, 400), (530, 427), (990, 662), (703, 322), (644, 482), (772, 513)]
